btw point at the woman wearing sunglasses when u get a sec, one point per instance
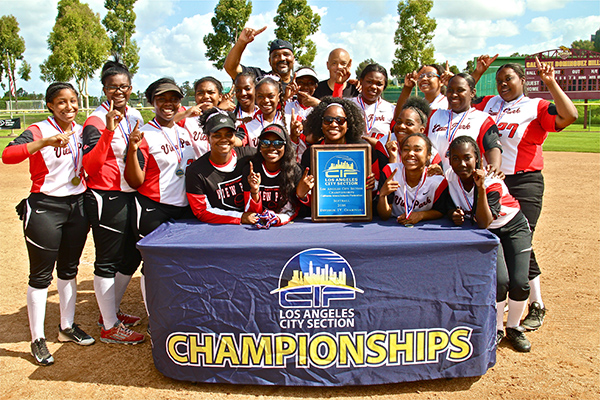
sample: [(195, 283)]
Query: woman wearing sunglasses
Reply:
[(214, 181), (270, 179)]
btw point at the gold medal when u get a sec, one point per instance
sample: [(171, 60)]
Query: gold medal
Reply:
[(76, 181)]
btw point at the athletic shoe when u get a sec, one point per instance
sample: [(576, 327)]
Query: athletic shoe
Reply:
[(499, 337), (517, 339), (76, 335), (126, 319), (40, 352), (120, 334), (535, 317)]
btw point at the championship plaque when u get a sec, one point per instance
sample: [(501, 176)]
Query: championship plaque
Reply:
[(340, 193)]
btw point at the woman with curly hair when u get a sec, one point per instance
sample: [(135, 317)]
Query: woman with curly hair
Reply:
[(273, 185)]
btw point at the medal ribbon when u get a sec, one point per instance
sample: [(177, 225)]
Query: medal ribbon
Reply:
[(178, 149), (409, 210), (451, 133), (364, 108), (73, 148), (464, 193), (126, 135), (500, 114)]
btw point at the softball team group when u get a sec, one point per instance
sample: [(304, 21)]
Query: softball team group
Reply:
[(477, 161)]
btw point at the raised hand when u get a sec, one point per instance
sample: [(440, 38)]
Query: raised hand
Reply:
[(296, 127), (410, 80), (307, 182), (113, 117), (545, 71), (483, 63), (253, 181), (390, 185), (446, 75), (249, 34), (479, 178), (392, 148), (135, 138)]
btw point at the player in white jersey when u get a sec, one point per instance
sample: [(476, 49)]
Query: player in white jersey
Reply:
[(269, 98), (109, 201), (485, 200), (406, 192), (301, 103), (524, 124), (158, 156), (245, 90), (54, 220), (377, 112), (462, 119)]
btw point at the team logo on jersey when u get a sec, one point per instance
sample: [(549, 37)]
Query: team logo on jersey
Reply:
[(314, 278), (340, 167)]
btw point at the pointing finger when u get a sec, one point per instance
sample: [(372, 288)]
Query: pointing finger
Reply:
[(261, 30)]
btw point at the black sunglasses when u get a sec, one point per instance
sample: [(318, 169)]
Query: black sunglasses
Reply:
[(275, 143), (328, 119)]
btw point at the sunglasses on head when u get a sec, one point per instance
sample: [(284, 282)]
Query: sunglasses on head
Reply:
[(275, 143), (328, 119)]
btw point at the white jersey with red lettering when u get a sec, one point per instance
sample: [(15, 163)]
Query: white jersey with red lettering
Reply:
[(378, 118), (301, 113), (445, 125), (55, 171), (427, 195), (440, 101), (524, 124), (164, 155), (504, 207), (104, 151), (200, 139), (251, 131)]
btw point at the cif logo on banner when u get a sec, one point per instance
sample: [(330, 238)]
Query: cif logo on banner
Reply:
[(314, 278), (340, 167)]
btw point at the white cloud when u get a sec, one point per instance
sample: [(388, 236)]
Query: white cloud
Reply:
[(151, 14), (478, 9), (545, 5), (563, 31)]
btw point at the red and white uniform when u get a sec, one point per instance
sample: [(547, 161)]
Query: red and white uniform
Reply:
[(52, 169), (104, 151), (425, 196), (200, 139), (251, 130), (378, 118), (445, 125), (524, 124), (164, 154), (504, 207), (440, 101), (301, 113)]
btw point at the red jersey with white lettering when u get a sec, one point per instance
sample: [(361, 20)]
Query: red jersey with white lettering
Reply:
[(378, 118), (215, 192), (250, 132), (54, 171), (270, 194), (445, 125), (164, 155), (503, 206), (524, 124), (430, 193), (200, 139), (104, 151)]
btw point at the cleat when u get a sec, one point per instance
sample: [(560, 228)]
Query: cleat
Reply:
[(126, 319), (120, 334), (535, 317), (518, 340), (40, 352), (76, 335), (499, 337)]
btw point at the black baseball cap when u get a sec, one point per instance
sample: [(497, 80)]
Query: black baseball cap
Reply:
[(219, 120), (279, 44), (276, 129)]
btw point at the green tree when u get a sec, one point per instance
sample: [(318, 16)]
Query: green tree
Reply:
[(362, 66), (596, 40), (187, 89), (120, 24), (79, 46), (12, 47), (470, 66), (295, 22), (413, 37), (583, 45), (229, 20)]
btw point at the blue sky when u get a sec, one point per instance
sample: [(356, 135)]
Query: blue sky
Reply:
[(170, 32)]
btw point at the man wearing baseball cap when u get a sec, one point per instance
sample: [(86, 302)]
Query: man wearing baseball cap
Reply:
[(281, 57)]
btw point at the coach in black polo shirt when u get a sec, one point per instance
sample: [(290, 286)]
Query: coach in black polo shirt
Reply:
[(281, 58)]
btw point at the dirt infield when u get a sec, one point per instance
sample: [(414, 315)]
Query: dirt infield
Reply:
[(564, 362)]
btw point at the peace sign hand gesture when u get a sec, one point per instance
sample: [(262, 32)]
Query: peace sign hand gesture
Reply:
[(446, 75), (135, 138), (307, 182)]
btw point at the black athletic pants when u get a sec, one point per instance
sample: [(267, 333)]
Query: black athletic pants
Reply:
[(55, 232)]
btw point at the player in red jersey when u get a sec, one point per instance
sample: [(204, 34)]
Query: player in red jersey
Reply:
[(109, 199), (485, 200), (524, 124), (53, 215)]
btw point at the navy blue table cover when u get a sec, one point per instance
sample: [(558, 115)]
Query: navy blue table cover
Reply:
[(321, 304)]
